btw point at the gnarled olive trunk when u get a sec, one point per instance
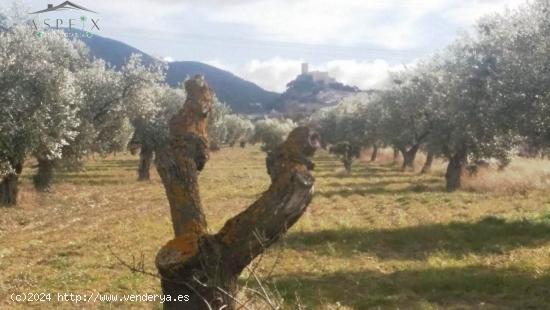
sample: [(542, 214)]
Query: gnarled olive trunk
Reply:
[(44, 176), (455, 169), (201, 268), (374, 154), (9, 186), (145, 160), (409, 156), (428, 164)]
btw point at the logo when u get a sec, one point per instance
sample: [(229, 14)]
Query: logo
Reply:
[(65, 19)]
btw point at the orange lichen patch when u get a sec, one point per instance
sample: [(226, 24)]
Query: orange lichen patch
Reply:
[(186, 246), (192, 118)]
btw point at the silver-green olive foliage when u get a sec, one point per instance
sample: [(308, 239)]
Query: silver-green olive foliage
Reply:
[(151, 132), (113, 100), (271, 132), (38, 97), (343, 123)]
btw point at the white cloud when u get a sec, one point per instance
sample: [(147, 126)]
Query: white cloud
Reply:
[(388, 24), (363, 74), (273, 74), (391, 24)]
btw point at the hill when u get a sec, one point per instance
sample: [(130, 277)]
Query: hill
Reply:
[(306, 95), (241, 95)]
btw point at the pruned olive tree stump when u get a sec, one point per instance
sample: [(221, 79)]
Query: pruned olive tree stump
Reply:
[(206, 266)]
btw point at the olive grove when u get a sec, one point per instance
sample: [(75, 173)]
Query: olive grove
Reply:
[(484, 96)]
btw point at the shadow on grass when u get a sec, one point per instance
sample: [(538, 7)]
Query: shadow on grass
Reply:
[(379, 188), (103, 165), (490, 235), (457, 288)]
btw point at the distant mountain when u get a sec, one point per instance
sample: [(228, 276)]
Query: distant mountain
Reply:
[(241, 95)]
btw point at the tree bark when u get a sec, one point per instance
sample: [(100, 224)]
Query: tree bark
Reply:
[(44, 176), (347, 161), (8, 190), (346, 152), (395, 155), (455, 169), (145, 160), (9, 186), (374, 154), (203, 266), (428, 164), (409, 156)]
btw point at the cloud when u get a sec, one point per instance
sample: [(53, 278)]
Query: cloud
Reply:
[(388, 24), (363, 74), (273, 74), (391, 24)]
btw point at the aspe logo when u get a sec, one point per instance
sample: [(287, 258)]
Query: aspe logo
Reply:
[(62, 16)]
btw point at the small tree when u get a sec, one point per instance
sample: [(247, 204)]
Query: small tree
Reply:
[(239, 129), (344, 127), (347, 153), (406, 112)]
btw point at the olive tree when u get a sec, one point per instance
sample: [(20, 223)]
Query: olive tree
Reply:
[(238, 128), (468, 119), (344, 127), (271, 132), (38, 101), (113, 104), (217, 131), (151, 134)]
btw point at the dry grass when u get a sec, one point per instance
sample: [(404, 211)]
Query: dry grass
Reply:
[(520, 177), (376, 238)]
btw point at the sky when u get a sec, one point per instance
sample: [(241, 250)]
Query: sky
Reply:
[(265, 41)]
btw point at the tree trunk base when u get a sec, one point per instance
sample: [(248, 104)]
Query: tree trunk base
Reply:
[(8, 190), (374, 154), (428, 165), (455, 169), (43, 179), (145, 160)]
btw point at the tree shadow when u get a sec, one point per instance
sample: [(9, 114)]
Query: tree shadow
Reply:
[(103, 165), (488, 236), (379, 188), (455, 287), (90, 179)]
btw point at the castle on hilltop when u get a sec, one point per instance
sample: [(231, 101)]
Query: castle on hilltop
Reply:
[(317, 76)]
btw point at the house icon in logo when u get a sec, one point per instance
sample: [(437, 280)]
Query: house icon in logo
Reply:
[(67, 5)]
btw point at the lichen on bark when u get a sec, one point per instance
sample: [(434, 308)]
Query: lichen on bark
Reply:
[(206, 266)]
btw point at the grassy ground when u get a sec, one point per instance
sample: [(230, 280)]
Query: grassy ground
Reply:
[(377, 238)]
